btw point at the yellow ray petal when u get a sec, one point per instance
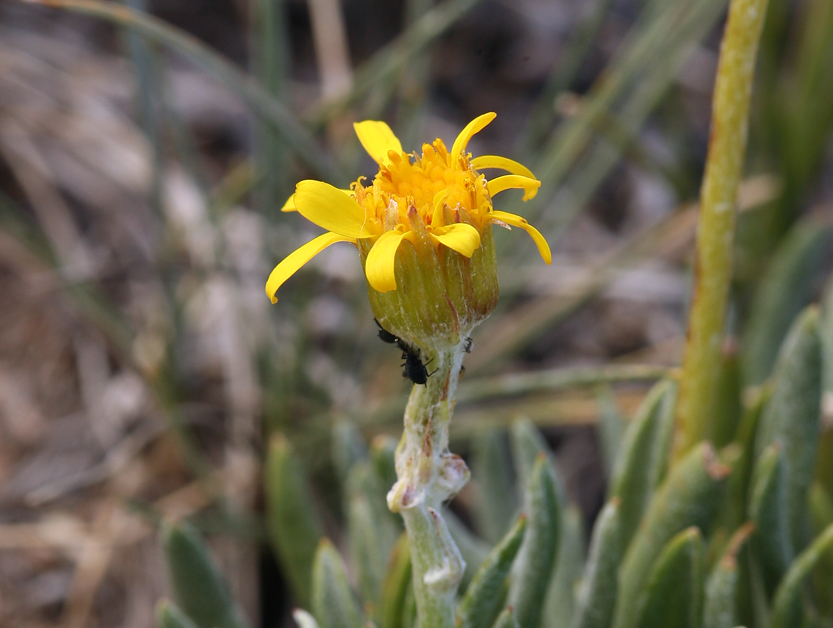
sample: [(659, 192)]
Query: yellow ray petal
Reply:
[(381, 261), (461, 237), (504, 163), (300, 256), (289, 206), (521, 223), (475, 126), (330, 208), (439, 201), (377, 139), (513, 181)]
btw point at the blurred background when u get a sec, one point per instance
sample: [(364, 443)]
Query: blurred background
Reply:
[(143, 163)]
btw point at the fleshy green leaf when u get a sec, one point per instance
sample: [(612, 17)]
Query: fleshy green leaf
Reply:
[(534, 563), (773, 544), (610, 428), (495, 504), (688, 497), (382, 454), (484, 596), (395, 586), (348, 447), (304, 619), (787, 608), (634, 476), (792, 416), (367, 551), (169, 616), (674, 593), (785, 289), (333, 604), (507, 619), (294, 528), (596, 598), (472, 548), (527, 444), (199, 588), (560, 600), (720, 609)]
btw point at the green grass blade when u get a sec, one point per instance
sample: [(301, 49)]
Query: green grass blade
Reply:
[(253, 94)]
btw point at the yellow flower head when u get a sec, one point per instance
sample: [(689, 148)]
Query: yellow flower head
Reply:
[(429, 213)]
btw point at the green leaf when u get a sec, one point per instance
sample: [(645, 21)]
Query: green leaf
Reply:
[(293, 525), (784, 290), (333, 604), (395, 585), (773, 544), (787, 608), (409, 612), (364, 482), (484, 596), (495, 504), (792, 416), (821, 510), (688, 497), (534, 563), (560, 600), (383, 456), (610, 429), (634, 475), (348, 447), (472, 548), (169, 616), (198, 586), (720, 609), (674, 593), (507, 619), (304, 619), (597, 595), (734, 509), (527, 444), (367, 551)]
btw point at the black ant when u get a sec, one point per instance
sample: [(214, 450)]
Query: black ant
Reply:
[(413, 368), (468, 343)]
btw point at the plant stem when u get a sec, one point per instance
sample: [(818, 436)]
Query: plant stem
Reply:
[(715, 238), (428, 474)]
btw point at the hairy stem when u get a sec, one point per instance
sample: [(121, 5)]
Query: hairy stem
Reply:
[(428, 474), (715, 237)]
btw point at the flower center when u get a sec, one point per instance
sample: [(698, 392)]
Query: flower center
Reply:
[(425, 182)]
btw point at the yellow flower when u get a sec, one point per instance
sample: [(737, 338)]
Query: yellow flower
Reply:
[(453, 200), (437, 202)]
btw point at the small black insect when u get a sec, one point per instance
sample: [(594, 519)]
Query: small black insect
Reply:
[(386, 336), (468, 343), (413, 368)]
